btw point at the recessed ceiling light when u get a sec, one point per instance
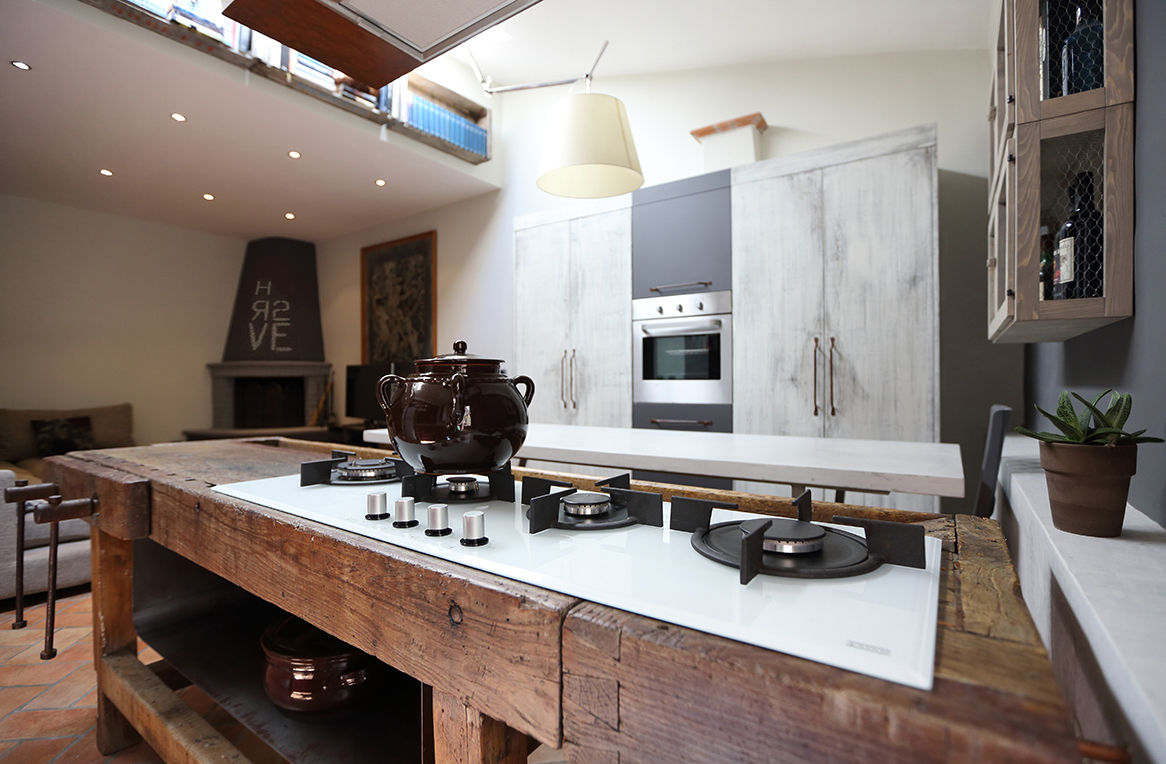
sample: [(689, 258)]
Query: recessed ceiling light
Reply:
[(294, 154), (178, 117), (105, 172), (380, 181), (209, 197), (20, 65), (289, 215)]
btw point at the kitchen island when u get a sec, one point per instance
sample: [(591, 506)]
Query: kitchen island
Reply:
[(503, 664), (879, 466)]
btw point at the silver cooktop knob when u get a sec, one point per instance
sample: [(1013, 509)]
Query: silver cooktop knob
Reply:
[(403, 513), (474, 528), (438, 521), (378, 507)]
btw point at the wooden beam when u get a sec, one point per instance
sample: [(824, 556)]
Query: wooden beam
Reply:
[(462, 735), (172, 728)]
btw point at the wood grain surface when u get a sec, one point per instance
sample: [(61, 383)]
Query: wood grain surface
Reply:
[(507, 660)]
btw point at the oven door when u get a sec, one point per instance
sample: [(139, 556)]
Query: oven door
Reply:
[(683, 360)]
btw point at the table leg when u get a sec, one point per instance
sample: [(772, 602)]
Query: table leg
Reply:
[(462, 734), (112, 562)]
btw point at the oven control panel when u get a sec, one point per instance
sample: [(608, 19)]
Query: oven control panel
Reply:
[(681, 305)]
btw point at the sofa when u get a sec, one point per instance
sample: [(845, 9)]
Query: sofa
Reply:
[(27, 436)]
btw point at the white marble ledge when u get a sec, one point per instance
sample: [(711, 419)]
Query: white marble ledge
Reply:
[(1116, 588), (877, 465)]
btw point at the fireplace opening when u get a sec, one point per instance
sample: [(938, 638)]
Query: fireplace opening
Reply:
[(269, 402)]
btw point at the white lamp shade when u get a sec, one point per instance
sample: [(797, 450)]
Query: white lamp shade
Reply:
[(589, 152)]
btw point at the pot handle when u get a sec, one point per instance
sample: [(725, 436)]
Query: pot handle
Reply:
[(353, 678), (459, 402), (384, 389), (529, 394)]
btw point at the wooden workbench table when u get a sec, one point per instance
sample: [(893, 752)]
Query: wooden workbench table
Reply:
[(510, 663)]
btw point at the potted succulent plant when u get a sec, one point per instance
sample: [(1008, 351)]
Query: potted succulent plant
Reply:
[(1089, 463)]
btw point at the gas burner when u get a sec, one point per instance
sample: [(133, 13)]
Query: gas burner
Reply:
[(802, 549), (582, 504), (344, 468), (366, 470), (570, 509), (498, 485)]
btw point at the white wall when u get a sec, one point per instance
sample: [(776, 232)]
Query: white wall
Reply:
[(99, 309), (807, 103)]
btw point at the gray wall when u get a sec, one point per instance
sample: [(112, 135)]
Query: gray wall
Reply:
[(1129, 355)]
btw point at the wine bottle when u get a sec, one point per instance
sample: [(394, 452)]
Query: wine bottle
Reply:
[(1077, 257), (1083, 52), (1046, 264)]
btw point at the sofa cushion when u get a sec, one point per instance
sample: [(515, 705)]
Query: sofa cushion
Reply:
[(60, 436), (113, 426)]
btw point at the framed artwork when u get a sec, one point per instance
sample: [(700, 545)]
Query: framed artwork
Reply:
[(399, 299)]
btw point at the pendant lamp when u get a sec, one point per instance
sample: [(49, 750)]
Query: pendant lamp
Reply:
[(589, 152)]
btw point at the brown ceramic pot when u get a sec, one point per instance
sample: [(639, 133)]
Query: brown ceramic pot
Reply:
[(311, 672), (1088, 486), (457, 414)]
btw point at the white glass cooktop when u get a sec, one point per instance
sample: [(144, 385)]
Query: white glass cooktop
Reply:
[(882, 623)]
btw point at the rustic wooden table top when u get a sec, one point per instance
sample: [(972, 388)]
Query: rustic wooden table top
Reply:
[(604, 684)]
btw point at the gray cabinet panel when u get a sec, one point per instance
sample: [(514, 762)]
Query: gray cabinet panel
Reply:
[(681, 233)]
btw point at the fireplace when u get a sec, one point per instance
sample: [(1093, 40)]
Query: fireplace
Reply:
[(268, 394)]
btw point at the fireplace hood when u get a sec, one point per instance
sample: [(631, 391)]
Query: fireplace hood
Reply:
[(372, 41)]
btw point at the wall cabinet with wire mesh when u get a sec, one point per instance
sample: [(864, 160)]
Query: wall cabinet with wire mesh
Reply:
[(1060, 217)]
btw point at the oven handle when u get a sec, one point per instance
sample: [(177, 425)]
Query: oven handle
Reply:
[(701, 422), (686, 284), (680, 329)]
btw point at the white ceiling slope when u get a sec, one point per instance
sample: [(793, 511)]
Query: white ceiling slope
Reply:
[(101, 91)]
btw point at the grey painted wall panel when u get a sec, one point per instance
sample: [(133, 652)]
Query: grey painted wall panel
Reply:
[(1129, 355)]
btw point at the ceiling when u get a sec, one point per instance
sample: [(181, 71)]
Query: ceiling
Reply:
[(101, 91)]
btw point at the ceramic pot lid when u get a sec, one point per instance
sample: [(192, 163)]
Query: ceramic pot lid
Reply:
[(459, 357)]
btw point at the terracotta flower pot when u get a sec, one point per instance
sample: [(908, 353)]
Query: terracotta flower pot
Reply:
[(1088, 486)]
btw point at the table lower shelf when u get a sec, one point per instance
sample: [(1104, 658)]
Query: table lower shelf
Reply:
[(212, 639)]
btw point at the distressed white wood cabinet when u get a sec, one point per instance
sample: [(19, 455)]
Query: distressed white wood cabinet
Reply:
[(835, 295), (573, 292)]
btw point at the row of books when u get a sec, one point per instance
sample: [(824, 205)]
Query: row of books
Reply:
[(445, 124)]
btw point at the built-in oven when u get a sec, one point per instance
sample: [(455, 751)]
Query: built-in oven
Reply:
[(682, 349)]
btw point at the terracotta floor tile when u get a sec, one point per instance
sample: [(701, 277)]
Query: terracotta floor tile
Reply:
[(84, 751), (74, 619), (68, 691), (43, 672), (20, 637), (196, 699), (12, 698), (63, 638), (5, 747), (8, 652), (55, 723), (35, 751), (81, 603), (88, 700), (81, 651), (147, 654)]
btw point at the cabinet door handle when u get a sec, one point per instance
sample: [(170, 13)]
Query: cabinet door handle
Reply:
[(814, 363), (833, 411), (574, 403), (681, 422), (563, 378)]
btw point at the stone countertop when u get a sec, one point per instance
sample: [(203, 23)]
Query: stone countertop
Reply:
[(876, 465), (1114, 586)]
